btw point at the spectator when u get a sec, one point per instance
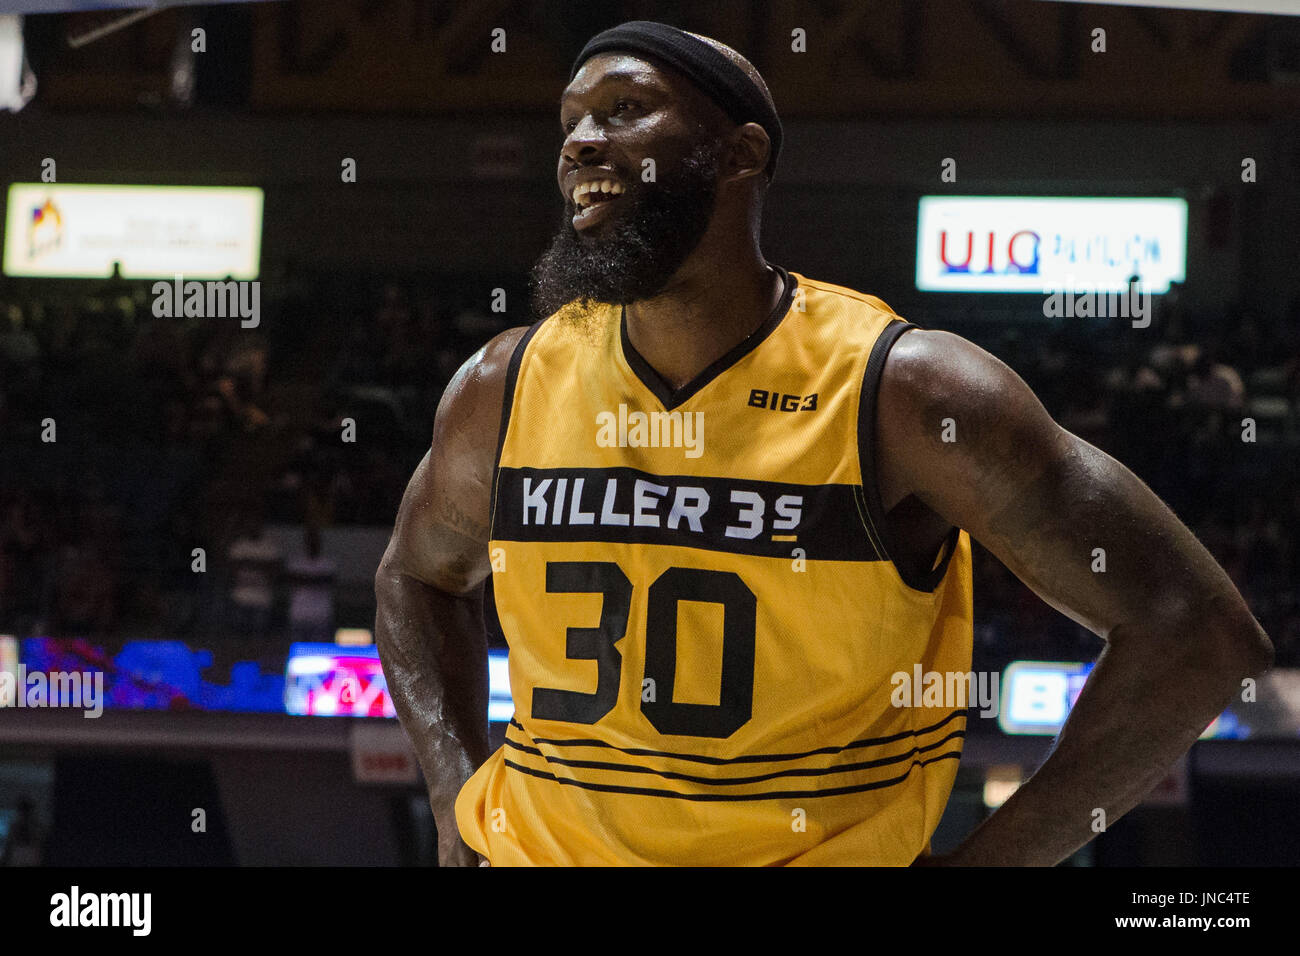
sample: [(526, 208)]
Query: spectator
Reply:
[(22, 845), (254, 561), (311, 591)]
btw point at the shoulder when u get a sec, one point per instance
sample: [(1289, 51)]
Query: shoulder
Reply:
[(468, 421), (476, 392), (485, 372), (929, 370), (948, 411)]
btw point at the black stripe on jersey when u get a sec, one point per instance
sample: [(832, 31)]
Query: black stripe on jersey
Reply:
[(735, 797), (672, 397), (745, 758), (874, 518), (507, 402), (712, 514), (738, 781)]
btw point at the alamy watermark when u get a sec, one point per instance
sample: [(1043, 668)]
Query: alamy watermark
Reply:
[(209, 300), (626, 429), (1134, 303), (132, 911), (951, 689), (78, 690)]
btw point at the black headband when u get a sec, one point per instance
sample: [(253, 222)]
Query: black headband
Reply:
[(722, 81)]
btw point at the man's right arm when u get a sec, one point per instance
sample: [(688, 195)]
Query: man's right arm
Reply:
[(429, 589)]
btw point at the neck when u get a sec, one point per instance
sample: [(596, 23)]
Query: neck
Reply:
[(712, 304)]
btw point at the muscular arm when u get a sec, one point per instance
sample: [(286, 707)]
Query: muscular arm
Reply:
[(1179, 638), (429, 589)]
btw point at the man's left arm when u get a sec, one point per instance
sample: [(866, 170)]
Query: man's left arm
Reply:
[(1179, 638)]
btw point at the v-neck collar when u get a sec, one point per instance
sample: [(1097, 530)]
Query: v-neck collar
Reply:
[(670, 397)]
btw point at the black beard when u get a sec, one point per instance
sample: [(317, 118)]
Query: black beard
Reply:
[(645, 248)]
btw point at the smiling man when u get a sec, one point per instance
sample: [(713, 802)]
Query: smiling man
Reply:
[(702, 646)]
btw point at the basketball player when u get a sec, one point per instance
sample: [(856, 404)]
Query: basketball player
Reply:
[(724, 504)]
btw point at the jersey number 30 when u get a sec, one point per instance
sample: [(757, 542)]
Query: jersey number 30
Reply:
[(736, 695)]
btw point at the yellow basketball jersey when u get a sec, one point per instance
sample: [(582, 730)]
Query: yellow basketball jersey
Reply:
[(703, 620)]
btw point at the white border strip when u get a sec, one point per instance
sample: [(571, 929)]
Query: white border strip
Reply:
[(1274, 7)]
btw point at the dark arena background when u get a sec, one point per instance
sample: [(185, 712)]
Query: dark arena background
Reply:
[(193, 506)]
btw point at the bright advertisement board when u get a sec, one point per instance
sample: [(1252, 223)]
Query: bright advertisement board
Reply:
[(155, 232), (1048, 244)]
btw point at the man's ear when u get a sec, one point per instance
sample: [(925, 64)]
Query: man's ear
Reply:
[(749, 149)]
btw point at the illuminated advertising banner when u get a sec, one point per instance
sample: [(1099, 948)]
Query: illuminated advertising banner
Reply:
[(317, 679), (1037, 697), (328, 680), (325, 680), (1049, 244), (155, 232), (8, 669)]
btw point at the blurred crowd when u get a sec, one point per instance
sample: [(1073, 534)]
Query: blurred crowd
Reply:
[(176, 434), (128, 441), (1205, 408)]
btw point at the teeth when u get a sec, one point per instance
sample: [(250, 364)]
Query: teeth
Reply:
[(583, 191)]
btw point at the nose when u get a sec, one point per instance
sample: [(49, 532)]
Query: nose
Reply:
[(586, 143)]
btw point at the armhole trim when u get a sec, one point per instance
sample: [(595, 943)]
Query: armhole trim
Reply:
[(874, 517), (507, 403)]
